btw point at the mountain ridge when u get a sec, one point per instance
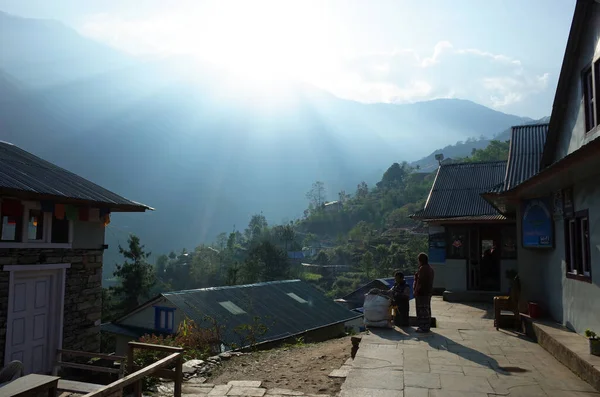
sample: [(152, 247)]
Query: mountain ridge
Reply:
[(207, 154)]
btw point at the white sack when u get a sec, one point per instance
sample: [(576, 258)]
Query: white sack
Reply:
[(377, 311)]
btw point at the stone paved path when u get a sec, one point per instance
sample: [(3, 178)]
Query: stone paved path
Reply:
[(464, 357)]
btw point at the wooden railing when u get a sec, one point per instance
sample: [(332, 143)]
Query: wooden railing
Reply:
[(159, 369), (60, 363)]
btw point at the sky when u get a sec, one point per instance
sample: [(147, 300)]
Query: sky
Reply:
[(504, 54)]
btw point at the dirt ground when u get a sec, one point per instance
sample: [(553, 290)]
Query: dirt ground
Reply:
[(302, 368)]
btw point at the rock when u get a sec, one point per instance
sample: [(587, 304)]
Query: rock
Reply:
[(214, 358), (225, 356)]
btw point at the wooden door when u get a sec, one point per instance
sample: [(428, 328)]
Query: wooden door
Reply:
[(30, 321)]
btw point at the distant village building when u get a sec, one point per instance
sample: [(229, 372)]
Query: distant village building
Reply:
[(52, 230), (287, 309), (333, 206)]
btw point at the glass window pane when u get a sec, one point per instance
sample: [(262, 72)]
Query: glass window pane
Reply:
[(10, 228), (35, 227), (60, 231), (572, 247), (585, 244)]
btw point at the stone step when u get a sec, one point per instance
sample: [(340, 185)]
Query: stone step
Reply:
[(568, 347)]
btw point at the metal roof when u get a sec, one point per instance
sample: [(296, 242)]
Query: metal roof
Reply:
[(457, 190), (23, 174), (286, 308), (496, 217), (526, 148), (129, 330)]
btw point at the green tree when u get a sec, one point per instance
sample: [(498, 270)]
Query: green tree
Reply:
[(136, 276), (394, 176), (322, 259), (256, 227), (362, 191), (317, 194), (495, 151), (382, 260), (366, 264), (269, 261)]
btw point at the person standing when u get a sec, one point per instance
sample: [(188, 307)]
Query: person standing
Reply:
[(400, 294), (423, 289)]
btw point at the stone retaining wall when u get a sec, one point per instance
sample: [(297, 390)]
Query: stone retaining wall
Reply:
[(83, 292)]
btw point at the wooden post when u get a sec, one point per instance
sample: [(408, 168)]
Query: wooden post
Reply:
[(178, 375), (137, 388)]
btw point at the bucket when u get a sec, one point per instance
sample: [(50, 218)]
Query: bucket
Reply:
[(534, 310)]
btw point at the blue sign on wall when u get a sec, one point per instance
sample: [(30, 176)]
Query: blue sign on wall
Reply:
[(537, 224)]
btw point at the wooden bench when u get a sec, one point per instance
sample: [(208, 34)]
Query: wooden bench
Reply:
[(30, 386), (84, 387)]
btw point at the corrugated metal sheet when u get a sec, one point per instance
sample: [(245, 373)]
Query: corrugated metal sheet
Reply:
[(497, 217), (129, 330), (272, 302), (21, 171), (458, 187), (526, 148)]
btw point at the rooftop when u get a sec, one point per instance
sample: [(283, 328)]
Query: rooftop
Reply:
[(457, 190), (525, 156), (286, 308), (26, 176)]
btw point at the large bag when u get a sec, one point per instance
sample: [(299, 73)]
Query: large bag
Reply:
[(377, 311)]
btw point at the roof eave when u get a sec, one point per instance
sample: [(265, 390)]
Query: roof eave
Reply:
[(27, 195), (559, 104)]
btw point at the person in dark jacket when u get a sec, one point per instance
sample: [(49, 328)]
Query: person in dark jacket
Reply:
[(423, 289), (400, 294)]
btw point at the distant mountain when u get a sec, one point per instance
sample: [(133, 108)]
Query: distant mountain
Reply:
[(204, 148), (463, 149)]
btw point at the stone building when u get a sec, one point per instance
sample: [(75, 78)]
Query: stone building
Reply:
[(52, 225)]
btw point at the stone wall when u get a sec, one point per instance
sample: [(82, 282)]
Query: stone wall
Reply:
[(83, 293)]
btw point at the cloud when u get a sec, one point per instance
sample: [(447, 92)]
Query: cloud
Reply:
[(406, 75)]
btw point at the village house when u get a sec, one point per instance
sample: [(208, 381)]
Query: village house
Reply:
[(472, 243), (286, 309), (51, 246), (558, 209)]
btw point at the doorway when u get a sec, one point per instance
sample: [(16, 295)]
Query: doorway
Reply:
[(34, 317), (483, 262)]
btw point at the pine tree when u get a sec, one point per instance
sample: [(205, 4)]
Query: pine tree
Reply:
[(136, 276)]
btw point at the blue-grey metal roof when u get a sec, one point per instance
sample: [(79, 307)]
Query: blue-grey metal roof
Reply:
[(23, 174), (525, 156), (457, 190), (286, 308), (128, 330)]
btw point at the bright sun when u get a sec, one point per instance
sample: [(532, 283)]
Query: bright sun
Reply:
[(264, 42)]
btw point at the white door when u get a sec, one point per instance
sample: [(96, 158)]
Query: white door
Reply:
[(31, 321)]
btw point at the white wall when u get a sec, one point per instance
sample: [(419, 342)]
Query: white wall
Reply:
[(572, 135), (574, 303), (145, 317), (455, 274), (88, 235)]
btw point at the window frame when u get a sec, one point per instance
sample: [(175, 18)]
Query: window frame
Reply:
[(577, 248), (24, 241), (591, 91), (169, 318)]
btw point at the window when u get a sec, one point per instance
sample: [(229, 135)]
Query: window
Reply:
[(457, 239), (35, 225), (60, 231), (164, 318), (232, 307), (577, 246), (296, 297), (12, 221), (590, 95)]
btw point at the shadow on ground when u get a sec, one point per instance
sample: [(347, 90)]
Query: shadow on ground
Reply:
[(440, 343)]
